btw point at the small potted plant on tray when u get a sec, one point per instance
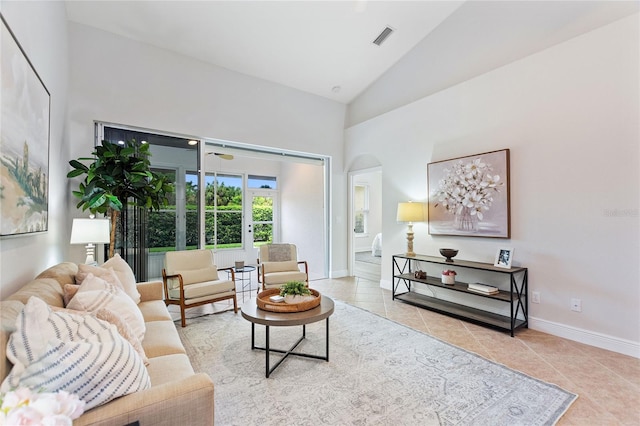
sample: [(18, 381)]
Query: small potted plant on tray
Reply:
[(296, 292)]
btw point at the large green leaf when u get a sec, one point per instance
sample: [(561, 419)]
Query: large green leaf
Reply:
[(97, 200), (118, 173), (78, 165), (128, 151), (74, 173)]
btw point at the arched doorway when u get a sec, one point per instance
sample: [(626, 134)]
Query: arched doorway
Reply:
[(365, 213)]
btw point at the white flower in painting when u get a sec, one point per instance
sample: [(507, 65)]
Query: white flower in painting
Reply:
[(468, 186)]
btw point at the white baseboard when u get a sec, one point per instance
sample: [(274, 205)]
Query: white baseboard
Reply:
[(611, 343), (339, 274), (386, 284)]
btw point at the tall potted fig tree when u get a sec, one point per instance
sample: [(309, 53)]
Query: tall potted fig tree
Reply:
[(116, 176)]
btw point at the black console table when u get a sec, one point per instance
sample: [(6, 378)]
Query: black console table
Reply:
[(404, 268)]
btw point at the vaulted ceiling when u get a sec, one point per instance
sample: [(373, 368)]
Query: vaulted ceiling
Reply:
[(326, 47)]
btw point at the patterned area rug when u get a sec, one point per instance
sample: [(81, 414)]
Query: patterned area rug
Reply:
[(379, 373)]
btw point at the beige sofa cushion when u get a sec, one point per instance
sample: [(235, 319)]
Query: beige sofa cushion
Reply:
[(167, 368), (150, 291), (47, 289), (161, 339), (63, 273), (154, 310), (9, 311)]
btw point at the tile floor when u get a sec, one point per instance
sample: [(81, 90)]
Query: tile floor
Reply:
[(608, 383)]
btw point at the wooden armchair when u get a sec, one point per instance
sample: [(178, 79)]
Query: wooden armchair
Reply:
[(191, 279), (279, 264)]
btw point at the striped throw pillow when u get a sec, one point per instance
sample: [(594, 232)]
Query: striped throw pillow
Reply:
[(80, 354)]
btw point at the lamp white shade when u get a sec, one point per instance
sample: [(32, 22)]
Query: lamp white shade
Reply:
[(410, 212), (90, 231)]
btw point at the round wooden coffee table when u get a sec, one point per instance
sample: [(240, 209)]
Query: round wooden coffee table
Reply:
[(255, 315)]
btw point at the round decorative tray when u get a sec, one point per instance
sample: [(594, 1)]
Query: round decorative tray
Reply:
[(267, 305)]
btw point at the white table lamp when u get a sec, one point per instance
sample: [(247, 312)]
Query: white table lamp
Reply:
[(90, 232), (410, 213)]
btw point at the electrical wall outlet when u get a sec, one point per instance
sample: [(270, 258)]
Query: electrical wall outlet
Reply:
[(536, 297), (576, 305)]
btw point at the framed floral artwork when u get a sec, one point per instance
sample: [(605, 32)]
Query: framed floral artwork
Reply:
[(24, 142), (469, 196)]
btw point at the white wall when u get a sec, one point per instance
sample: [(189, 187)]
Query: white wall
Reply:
[(117, 80), (41, 30), (303, 212), (570, 116)]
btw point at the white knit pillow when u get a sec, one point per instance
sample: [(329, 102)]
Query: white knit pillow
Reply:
[(123, 275), (126, 276), (95, 294), (80, 354)]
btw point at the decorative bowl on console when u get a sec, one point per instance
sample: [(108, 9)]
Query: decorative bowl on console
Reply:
[(448, 253)]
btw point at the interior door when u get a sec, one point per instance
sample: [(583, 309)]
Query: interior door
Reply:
[(262, 224)]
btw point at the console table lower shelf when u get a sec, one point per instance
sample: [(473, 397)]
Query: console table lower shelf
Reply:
[(460, 311)]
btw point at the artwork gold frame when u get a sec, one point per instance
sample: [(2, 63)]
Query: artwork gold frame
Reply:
[(469, 196), (24, 141)]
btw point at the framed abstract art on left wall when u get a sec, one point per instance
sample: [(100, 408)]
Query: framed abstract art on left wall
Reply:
[(24, 141)]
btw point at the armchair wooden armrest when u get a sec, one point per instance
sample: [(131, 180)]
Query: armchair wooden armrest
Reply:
[(229, 269), (166, 277)]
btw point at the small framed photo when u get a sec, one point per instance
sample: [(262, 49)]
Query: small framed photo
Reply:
[(504, 256)]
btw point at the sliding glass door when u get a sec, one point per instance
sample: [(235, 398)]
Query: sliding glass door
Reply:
[(145, 236), (262, 219), (223, 211)]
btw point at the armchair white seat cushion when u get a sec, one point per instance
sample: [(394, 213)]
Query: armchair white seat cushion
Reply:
[(280, 264), (276, 279), (204, 289), (191, 279)]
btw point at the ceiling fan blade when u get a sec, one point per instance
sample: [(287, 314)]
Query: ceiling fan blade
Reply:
[(224, 156), (221, 155)]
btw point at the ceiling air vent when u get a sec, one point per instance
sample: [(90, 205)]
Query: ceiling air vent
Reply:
[(383, 36)]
